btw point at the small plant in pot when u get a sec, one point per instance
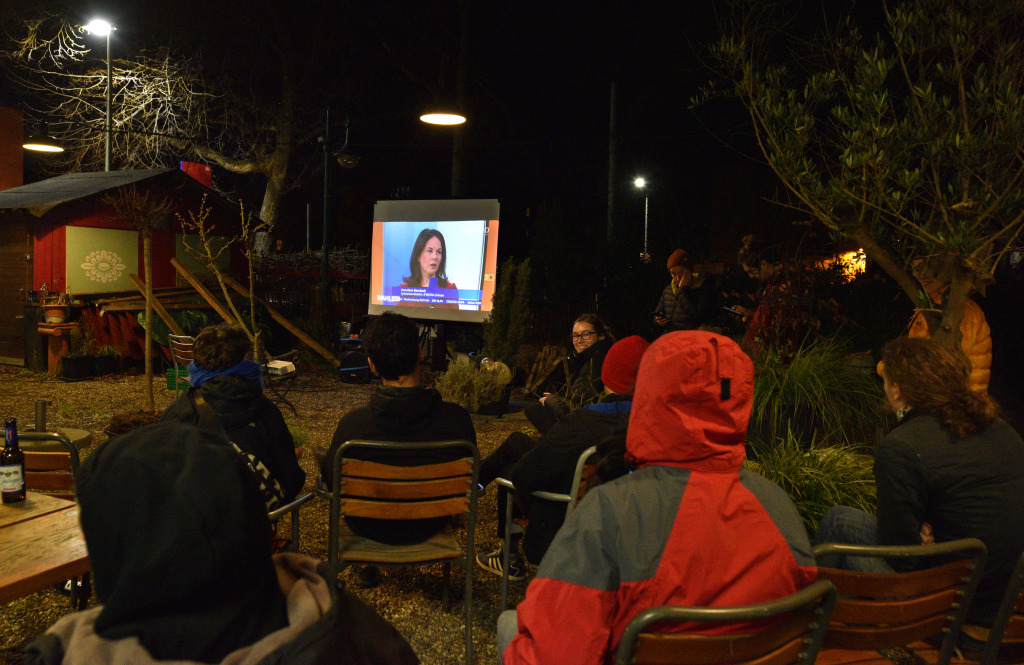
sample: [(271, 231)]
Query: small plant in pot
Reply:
[(481, 390), (76, 364), (105, 362)]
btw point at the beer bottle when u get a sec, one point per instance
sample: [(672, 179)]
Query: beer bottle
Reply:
[(12, 465)]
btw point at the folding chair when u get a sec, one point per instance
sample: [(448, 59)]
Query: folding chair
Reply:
[(55, 472), (293, 510), (886, 610), (181, 356), (569, 500), (279, 385), (794, 639), (392, 492)]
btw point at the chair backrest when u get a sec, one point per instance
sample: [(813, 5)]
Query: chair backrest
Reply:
[(181, 348), (394, 492), (583, 469), (794, 638), (1006, 636), (51, 471), (882, 611)]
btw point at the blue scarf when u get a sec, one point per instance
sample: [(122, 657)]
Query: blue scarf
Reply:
[(250, 370)]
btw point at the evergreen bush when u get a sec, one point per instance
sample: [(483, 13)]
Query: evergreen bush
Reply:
[(470, 387), (506, 327)]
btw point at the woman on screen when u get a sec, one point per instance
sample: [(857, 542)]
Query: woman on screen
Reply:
[(428, 259)]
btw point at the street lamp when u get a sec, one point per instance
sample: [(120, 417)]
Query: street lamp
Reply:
[(641, 184), (41, 141), (103, 28)]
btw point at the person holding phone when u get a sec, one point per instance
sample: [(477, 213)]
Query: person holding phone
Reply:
[(428, 261), (687, 302)]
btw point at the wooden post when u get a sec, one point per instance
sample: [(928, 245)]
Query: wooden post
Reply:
[(277, 316), (157, 307), (204, 292)]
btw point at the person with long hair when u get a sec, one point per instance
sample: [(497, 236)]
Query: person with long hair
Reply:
[(591, 340), (779, 317), (951, 468), (428, 260)]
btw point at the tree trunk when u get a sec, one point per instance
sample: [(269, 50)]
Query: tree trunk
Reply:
[(147, 259)]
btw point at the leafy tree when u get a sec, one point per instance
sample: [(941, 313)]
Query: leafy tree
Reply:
[(908, 142)]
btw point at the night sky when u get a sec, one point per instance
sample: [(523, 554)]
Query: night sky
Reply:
[(537, 98)]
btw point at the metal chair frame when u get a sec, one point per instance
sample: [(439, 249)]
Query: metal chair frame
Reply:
[(910, 605), (796, 639), (1010, 615), (293, 510), (385, 495), (81, 589), (181, 356), (569, 500)]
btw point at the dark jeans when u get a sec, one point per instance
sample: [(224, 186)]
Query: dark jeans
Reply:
[(850, 526), (498, 463), (543, 416)]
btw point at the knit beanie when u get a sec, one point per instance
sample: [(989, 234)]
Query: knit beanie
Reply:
[(679, 258), (618, 372)]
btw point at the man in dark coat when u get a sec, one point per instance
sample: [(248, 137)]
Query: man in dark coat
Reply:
[(402, 410), (233, 387), (548, 463), (687, 302), (179, 545)]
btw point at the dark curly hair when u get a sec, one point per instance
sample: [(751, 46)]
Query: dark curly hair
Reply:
[(392, 343), (220, 346), (754, 250), (933, 379)]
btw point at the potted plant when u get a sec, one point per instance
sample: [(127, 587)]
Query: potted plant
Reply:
[(480, 390), (55, 309), (105, 362), (76, 364)]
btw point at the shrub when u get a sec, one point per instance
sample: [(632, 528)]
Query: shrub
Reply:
[(470, 387), (816, 392), (816, 477), (505, 328)]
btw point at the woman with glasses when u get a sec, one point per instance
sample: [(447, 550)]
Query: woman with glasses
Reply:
[(591, 340)]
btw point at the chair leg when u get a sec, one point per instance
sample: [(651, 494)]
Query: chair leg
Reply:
[(81, 589), (294, 547), (506, 549), (468, 614), (446, 600)]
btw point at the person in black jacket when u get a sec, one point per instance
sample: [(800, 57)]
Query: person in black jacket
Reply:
[(179, 545), (402, 410), (548, 463), (591, 340), (233, 387), (950, 469), (687, 302)]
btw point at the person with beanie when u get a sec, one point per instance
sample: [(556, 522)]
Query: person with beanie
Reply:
[(179, 545), (231, 386), (688, 526), (548, 463), (687, 302)]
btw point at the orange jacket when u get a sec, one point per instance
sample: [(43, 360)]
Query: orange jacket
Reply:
[(975, 340)]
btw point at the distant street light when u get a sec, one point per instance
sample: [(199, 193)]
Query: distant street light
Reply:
[(103, 29), (442, 116), (641, 184)]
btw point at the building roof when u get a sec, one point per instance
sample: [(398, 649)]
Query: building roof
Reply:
[(40, 197)]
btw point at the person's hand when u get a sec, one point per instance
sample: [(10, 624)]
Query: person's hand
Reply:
[(745, 311), (927, 537), (544, 397), (660, 320)]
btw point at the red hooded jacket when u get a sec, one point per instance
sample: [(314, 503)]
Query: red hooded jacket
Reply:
[(687, 527)]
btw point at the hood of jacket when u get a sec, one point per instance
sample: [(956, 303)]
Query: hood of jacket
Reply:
[(692, 403), (236, 400), (404, 409)]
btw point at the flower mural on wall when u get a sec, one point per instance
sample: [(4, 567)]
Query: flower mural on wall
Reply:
[(103, 266)]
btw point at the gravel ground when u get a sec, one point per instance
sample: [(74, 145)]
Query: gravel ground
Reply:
[(408, 597)]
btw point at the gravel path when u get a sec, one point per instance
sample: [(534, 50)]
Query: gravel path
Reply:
[(409, 597)]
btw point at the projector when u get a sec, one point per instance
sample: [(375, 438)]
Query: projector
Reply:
[(280, 367)]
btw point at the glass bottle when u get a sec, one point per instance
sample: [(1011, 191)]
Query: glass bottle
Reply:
[(12, 465)]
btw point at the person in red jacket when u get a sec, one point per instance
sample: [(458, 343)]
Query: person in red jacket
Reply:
[(688, 525)]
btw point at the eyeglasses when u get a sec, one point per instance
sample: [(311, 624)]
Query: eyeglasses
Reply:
[(585, 335)]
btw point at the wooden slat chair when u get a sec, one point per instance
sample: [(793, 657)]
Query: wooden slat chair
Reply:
[(181, 356), (570, 500), (55, 472), (1004, 641), (793, 640), (385, 491), (883, 611)]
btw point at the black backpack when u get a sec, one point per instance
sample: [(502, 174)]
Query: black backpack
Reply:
[(354, 367)]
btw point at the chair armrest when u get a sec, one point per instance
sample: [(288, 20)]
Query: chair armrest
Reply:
[(290, 507)]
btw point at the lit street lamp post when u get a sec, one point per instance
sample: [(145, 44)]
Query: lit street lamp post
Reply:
[(641, 184), (103, 28)]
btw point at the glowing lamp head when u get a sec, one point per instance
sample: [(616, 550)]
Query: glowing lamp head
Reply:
[(443, 118), (99, 27), (639, 183)]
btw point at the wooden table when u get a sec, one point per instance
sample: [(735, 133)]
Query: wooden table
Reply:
[(41, 544)]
